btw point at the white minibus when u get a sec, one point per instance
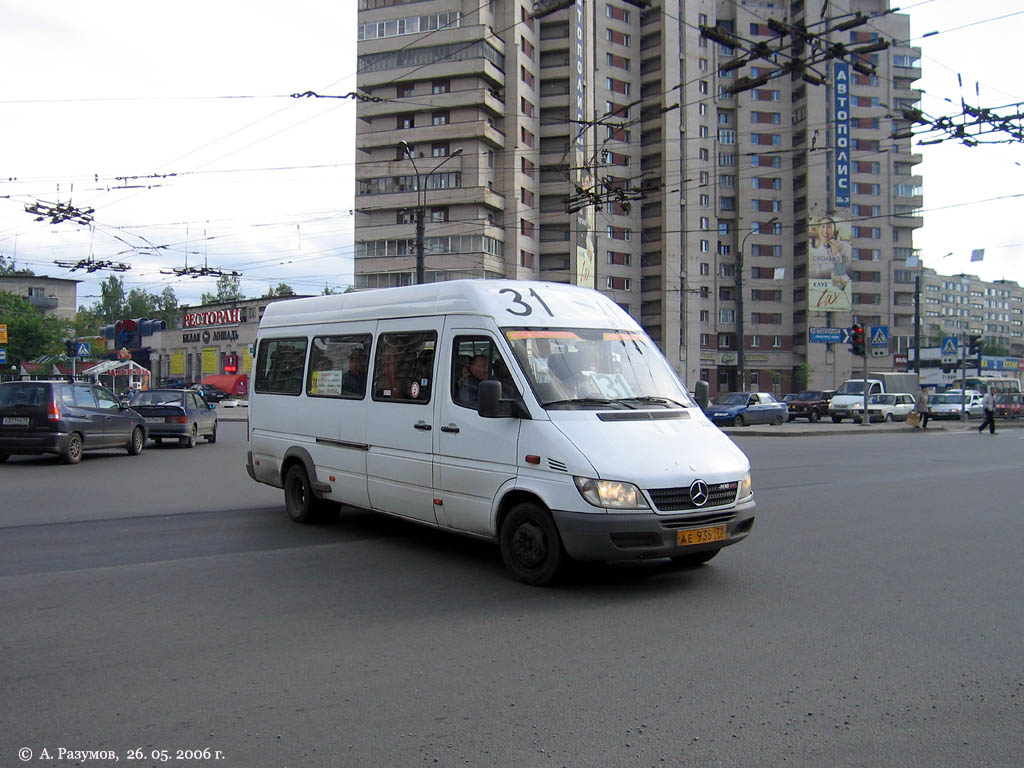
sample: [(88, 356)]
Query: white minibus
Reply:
[(537, 415)]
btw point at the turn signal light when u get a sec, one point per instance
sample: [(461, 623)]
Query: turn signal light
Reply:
[(52, 411)]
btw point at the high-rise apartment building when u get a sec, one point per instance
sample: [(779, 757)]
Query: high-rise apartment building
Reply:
[(728, 224)]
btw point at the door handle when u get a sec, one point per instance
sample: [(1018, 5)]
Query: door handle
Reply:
[(422, 425), (451, 428)]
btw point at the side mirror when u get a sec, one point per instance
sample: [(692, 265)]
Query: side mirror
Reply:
[(211, 406), (489, 403)]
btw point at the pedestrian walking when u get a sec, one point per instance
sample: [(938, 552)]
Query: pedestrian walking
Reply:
[(921, 408), (988, 402)]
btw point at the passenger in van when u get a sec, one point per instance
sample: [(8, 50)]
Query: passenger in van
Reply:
[(386, 384), (353, 381), (469, 389)]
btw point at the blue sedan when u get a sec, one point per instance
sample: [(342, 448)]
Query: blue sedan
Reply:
[(737, 409)]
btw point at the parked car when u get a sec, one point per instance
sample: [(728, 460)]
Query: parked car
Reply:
[(1010, 405), (948, 405), (810, 404), (891, 406), (65, 418), (175, 383), (210, 393), (737, 409), (179, 414)]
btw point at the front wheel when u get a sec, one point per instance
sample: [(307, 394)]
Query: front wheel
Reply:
[(137, 442), (697, 558), (530, 545), (739, 421), (888, 418), (73, 452), (777, 420), (814, 416)]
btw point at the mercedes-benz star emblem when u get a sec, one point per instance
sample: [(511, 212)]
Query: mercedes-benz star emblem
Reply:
[(699, 493)]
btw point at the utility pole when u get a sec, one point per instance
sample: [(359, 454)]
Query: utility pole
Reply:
[(917, 327), (421, 204)]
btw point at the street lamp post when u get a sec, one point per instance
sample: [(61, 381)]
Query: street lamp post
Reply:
[(421, 204), (740, 373)]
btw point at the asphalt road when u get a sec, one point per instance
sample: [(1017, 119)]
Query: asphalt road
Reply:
[(165, 602)]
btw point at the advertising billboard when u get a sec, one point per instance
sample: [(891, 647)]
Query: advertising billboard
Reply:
[(829, 286), (841, 130)]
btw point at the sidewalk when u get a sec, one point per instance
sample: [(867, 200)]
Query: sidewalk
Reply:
[(847, 427)]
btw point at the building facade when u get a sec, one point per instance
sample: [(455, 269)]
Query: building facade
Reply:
[(50, 295), (602, 144)]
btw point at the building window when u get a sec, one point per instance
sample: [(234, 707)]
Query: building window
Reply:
[(618, 258), (406, 121), (405, 91), (526, 76), (440, 149), (439, 214), (526, 259), (618, 283), (526, 136), (526, 227), (526, 196), (526, 106), (440, 118), (440, 86)]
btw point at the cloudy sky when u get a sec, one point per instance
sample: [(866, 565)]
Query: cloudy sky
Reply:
[(175, 122)]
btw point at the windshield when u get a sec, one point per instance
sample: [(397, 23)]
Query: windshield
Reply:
[(732, 398), (588, 368), (156, 397), (851, 388)]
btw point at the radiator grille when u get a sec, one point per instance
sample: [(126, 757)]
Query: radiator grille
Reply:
[(678, 499)]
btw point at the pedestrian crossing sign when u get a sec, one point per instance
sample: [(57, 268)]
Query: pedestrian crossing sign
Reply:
[(949, 346), (879, 335)]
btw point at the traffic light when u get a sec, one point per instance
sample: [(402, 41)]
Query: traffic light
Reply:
[(857, 339), (973, 346), (70, 347), (231, 363)]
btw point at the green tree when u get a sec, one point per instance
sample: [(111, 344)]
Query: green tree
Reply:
[(113, 302), (229, 288), (167, 307), (88, 321), (282, 289), (802, 377), (7, 267), (30, 333)]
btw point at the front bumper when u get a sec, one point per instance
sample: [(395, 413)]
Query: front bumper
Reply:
[(616, 536)]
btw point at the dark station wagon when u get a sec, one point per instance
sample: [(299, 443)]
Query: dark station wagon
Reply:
[(810, 404), (65, 418)]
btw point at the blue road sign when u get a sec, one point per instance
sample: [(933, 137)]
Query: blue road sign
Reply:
[(949, 346), (818, 335), (3, 355), (82, 350), (879, 335)]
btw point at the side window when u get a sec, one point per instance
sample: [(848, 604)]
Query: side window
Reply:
[(278, 367), (197, 403), (337, 366), (106, 399), (67, 397), (403, 369), (84, 397), (476, 359)]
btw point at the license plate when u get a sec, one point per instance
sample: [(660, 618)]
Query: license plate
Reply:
[(154, 420), (700, 536), (16, 421)]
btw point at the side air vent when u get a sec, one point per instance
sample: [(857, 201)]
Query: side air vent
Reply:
[(557, 465)]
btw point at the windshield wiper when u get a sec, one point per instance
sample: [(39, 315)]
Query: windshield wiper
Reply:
[(582, 401), (652, 399)]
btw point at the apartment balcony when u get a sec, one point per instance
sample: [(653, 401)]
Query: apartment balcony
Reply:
[(488, 130), (427, 102), (43, 302)]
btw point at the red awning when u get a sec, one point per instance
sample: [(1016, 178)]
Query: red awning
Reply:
[(235, 384)]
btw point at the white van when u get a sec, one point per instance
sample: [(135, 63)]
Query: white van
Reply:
[(538, 415)]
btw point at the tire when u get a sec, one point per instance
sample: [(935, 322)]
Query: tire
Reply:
[(137, 442), (888, 418), (813, 417), (530, 545), (697, 558), (73, 450), (212, 437), (777, 420), (300, 503), (739, 421), (837, 419), (190, 441)]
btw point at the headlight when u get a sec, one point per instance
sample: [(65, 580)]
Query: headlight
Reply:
[(610, 494), (746, 488)]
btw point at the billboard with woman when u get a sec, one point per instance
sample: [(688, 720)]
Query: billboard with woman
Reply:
[(829, 259)]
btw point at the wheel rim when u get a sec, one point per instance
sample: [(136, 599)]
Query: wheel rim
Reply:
[(137, 440), (297, 494), (75, 447), (529, 546)]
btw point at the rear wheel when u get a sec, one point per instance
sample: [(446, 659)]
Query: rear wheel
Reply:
[(73, 451), (302, 506), (530, 545), (212, 437), (190, 441), (697, 558), (137, 442)]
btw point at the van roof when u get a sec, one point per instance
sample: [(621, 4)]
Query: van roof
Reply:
[(514, 303)]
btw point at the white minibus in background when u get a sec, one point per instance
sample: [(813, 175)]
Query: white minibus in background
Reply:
[(537, 415)]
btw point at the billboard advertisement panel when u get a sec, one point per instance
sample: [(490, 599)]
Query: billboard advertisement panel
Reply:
[(841, 128), (829, 286)]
